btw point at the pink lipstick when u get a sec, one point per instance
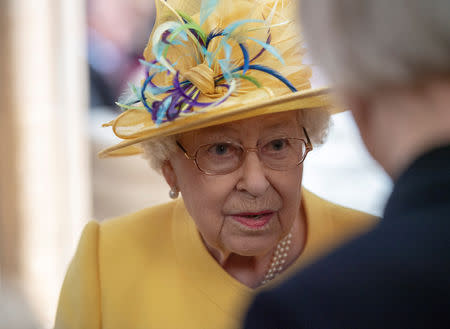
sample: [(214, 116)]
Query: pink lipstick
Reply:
[(254, 219)]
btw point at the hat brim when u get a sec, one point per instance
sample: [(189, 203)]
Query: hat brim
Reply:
[(308, 99)]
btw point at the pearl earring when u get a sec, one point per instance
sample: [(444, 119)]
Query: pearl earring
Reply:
[(173, 193)]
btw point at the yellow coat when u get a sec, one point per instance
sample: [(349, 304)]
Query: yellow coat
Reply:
[(151, 270)]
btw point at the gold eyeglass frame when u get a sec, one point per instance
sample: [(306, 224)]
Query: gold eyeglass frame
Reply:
[(308, 148)]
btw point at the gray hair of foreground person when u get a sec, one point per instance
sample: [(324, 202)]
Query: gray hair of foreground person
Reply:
[(316, 122), (389, 61), (364, 44)]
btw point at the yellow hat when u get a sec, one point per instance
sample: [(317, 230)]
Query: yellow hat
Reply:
[(215, 61)]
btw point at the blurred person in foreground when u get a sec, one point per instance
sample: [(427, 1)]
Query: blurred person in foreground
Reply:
[(390, 60), (226, 112)]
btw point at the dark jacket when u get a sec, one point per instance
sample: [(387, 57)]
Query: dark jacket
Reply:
[(396, 276)]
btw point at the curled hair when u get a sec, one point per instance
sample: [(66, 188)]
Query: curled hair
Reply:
[(316, 122)]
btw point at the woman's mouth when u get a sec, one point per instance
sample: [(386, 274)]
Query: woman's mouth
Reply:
[(254, 219)]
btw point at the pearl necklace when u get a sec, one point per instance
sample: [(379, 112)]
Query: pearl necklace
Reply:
[(278, 259)]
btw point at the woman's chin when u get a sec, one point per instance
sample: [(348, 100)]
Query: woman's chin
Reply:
[(250, 239), (251, 246)]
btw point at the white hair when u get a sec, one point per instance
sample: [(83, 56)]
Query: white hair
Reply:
[(157, 150), (316, 122), (364, 44)]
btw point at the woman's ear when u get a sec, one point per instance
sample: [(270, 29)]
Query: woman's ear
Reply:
[(169, 175)]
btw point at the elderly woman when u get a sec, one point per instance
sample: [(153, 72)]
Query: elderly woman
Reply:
[(227, 114)]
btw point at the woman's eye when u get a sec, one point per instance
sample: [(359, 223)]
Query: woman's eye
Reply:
[(220, 149), (277, 144)]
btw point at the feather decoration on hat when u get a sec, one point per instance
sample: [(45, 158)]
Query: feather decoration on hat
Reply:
[(202, 54)]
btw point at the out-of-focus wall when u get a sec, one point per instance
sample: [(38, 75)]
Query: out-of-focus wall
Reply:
[(44, 177), (9, 235), (121, 185)]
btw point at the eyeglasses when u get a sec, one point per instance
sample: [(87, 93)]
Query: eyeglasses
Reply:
[(275, 153)]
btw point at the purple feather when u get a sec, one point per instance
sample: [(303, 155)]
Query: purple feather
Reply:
[(269, 39), (189, 100), (164, 37), (174, 108)]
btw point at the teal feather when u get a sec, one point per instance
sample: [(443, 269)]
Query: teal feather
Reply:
[(158, 90), (128, 98), (269, 48), (208, 55), (163, 110), (227, 32), (233, 26), (153, 67), (159, 47), (124, 107), (193, 25), (208, 6), (227, 51), (226, 69), (136, 91)]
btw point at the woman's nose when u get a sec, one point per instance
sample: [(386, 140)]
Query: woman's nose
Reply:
[(253, 175)]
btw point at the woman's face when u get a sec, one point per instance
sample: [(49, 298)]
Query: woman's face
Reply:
[(249, 210)]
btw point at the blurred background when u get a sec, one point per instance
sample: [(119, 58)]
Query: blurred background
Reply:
[(62, 66)]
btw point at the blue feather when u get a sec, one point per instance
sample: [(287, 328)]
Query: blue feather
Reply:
[(154, 90), (273, 73), (227, 32), (246, 57), (142, 94), (212, 35)]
